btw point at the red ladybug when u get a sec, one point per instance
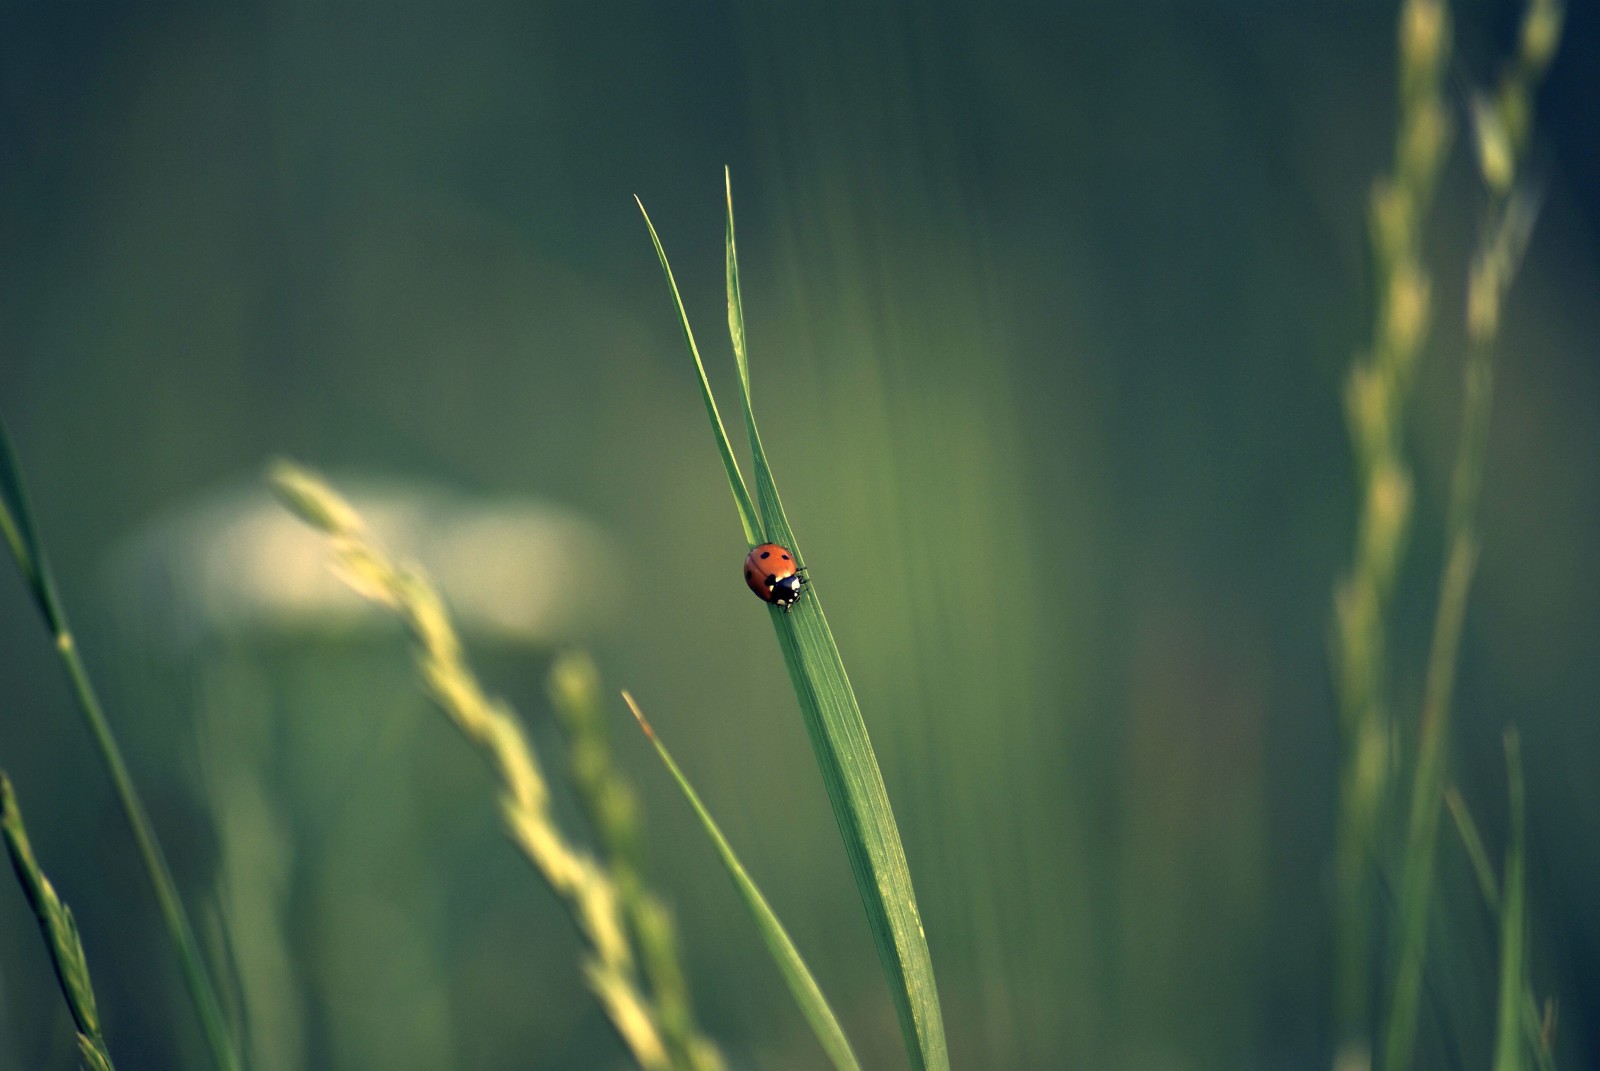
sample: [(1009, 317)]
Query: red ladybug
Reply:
[(774, 575)]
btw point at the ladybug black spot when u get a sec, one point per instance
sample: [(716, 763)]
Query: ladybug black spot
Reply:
[(766, 554), (771, 580), (785, 557)]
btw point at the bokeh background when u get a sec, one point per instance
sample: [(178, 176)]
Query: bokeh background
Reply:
[(1050, 313)]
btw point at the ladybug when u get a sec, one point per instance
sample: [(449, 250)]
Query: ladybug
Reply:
[(774, 575)]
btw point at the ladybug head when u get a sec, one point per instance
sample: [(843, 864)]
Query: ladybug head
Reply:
[(786, 591)]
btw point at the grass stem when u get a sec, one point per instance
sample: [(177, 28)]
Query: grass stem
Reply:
[(16, 520)]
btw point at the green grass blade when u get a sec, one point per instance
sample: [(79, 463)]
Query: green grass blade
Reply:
[(807, 994), (1536, 1027), (16, 523), (741, 355), (844, 754), (736, 484), (1511, 1047), (1540, 1028), (59, 929), (29, 552), (1472, 843), (612, 807)]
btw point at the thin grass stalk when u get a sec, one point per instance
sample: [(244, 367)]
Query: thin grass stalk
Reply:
[(580, 882), (802, 985), (1537, 1025), (1511, 1042), (1541, 1030), (16, 523), (1502, 127), (1472, 844), (60, 932), (613, 812)]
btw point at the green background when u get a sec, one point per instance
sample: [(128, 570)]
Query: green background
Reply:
[(1049, 311)]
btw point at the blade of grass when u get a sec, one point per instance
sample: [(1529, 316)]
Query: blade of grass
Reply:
[(844, 751), (60, 932), (1510, 1039), (807, 994), (1472, 843), (16, 518), (741, 493), (16, 521), (1541, 1030), (1536, 1026)]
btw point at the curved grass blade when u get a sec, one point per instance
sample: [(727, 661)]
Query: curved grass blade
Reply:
[(59, 929), (807, 994), (844, 751), (1536, 1025), (736, 484), (17, 521)]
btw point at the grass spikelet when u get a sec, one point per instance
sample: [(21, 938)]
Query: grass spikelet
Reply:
[(1504, 119), (59, 929), (1376, 396), (582, 883), (613, 812)]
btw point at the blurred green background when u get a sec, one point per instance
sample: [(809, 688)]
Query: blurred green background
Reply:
[(1050, 313)]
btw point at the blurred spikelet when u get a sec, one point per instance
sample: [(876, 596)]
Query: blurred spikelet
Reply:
[(1502, 124), (587, 887), (59, 930), (613, 811), (1375, 400)]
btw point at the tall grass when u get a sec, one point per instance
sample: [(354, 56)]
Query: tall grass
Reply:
[(1502, 124), (613, 813), (16, 523), (586, 887), (828, 705), (1376, 398)]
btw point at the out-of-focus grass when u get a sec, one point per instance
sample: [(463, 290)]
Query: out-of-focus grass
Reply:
[(585, 887), (983, 285), (613, 812), (1503, 126), (59, 929), (1377, 396), (1512, 1046), (16, 522)]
